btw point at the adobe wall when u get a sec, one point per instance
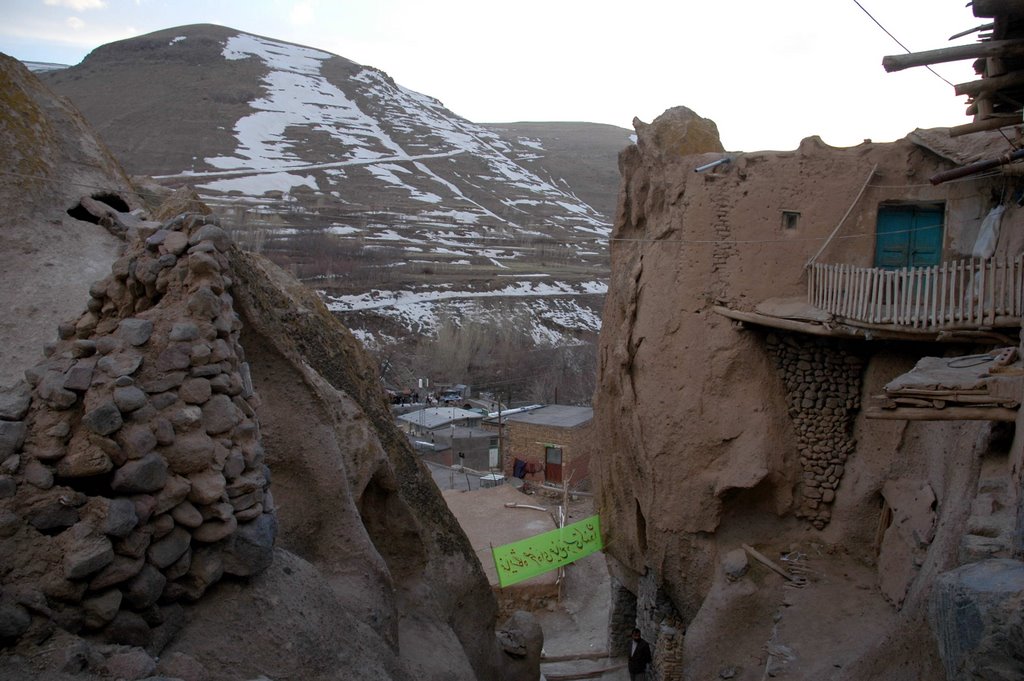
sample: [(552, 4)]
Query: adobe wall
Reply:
[(714, 434), (525, 441)]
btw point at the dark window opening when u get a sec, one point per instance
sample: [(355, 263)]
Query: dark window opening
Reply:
[(790, 218)]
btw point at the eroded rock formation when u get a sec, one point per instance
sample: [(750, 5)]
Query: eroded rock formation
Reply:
[(199, 400), (140, 476), (717, 435)]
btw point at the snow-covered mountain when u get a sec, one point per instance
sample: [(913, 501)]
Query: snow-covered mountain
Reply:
[(366, 189)]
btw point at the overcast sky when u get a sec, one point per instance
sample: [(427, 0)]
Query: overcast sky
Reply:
[(768, 73)]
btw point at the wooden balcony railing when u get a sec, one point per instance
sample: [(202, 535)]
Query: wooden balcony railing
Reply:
[(963, 294)]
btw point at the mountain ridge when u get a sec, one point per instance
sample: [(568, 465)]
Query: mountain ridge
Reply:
[(361, 186)]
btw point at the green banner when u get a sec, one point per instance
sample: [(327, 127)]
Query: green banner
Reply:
[(538, 554)]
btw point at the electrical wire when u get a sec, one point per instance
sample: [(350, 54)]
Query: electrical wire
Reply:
[(896, 40)]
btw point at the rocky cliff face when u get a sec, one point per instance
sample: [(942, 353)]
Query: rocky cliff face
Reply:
[(200, 404), (50, 159), (715, 437)]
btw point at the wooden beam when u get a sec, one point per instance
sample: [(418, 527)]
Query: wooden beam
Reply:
[(990, 48), (976, 167), (994, 8), (983, 27), (866, 331), (993, 123), (947, 414), (991, 84)]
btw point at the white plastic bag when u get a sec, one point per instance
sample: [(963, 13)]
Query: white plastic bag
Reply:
[(988, 234)]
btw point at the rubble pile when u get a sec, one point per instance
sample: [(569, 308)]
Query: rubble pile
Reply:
[(131, 469)]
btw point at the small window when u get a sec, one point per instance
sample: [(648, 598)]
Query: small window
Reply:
[(790, 218)]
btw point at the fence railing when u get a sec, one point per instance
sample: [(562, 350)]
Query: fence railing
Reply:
[(959, 294)]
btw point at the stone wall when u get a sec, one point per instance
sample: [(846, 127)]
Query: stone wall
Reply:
[(133, 475), (823, 381)]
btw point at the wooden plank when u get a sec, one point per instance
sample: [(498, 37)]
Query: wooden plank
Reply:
[(934, 294), (848, 290), (947, 414), (961, 301), (1019, 282), (768, 562), (810, 285), (937, 392), (908, 288), (862, 292), (944, 283), (919, 291), (981, 292), (833, 290)]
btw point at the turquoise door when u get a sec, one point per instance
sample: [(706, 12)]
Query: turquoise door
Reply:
[(908, 236)]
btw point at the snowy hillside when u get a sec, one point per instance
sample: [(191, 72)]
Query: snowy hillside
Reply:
[(402, 214), (403, 139)]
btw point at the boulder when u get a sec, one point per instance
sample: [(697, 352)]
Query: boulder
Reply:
[(15, 401), (134, 331), (86, 555), (130, 664), (120, 517), (145, 588), (104, 419), (169, 548), (521, 639), (976, 614), (12, 436), (148, 474), (250, 550), (99, 611)]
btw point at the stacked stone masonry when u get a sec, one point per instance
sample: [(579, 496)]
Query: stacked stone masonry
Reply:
[(661, 625), (131, 458), (823, 383)]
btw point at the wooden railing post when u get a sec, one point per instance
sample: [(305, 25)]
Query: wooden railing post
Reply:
[(963, 292)]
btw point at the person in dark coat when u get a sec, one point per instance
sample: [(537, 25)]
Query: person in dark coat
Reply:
[(639, 657)]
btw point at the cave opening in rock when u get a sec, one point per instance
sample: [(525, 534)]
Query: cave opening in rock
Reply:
[(79, 212), (641, 528), (392, 527)]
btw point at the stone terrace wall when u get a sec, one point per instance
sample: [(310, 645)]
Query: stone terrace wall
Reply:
[(823, 382), (132, 470)]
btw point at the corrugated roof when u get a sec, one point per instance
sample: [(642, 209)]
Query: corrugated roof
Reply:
[(436, 417)]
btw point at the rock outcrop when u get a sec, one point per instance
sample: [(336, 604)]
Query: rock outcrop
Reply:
[(138, 480), (50, 158), (717, 435), (203, 468)]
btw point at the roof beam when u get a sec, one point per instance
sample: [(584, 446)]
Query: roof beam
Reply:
[(994, 123), (989, 48), (977, 87)]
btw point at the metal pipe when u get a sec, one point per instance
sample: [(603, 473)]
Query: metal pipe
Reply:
[(713, 164)]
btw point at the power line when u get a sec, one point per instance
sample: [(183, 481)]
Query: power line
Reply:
[(896, 40)]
